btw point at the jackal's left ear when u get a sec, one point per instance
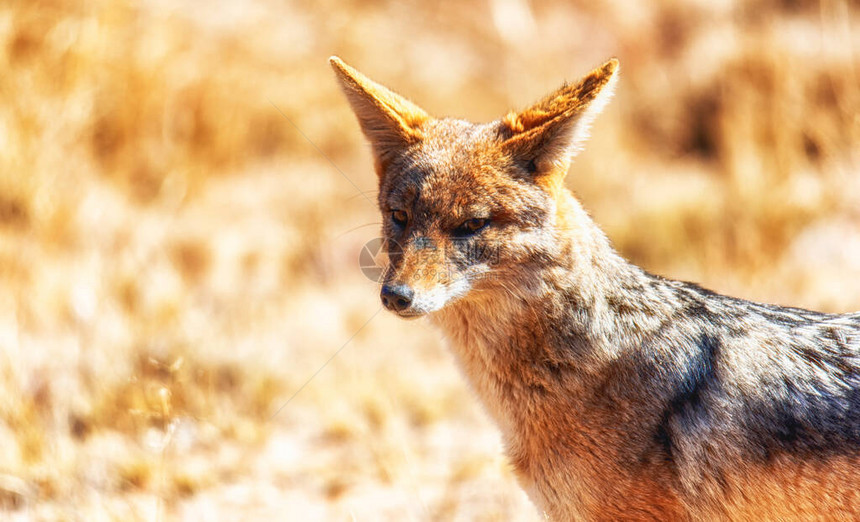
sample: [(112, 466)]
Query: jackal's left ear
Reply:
[(389, 120), (545, 136)]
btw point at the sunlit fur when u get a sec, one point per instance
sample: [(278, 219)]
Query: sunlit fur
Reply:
[(620, 394)]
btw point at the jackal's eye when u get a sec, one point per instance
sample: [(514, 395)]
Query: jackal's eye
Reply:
[(470, 227), (399, 217)]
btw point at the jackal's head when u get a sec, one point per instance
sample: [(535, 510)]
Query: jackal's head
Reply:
[(469, 208)]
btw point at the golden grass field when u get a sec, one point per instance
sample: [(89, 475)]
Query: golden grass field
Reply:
[(180, 229)]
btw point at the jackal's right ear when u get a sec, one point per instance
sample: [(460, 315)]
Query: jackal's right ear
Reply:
[(390, 121), (545, 136)]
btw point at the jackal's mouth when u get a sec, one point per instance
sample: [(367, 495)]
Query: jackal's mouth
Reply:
[(408, 302), (409, 314)]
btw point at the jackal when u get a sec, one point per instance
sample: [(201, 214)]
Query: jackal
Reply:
[(620, 395)]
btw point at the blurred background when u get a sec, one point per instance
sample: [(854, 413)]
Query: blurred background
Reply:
[(180, 230)]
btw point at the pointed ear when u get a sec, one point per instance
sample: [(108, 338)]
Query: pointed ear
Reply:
[(388, 120), (546, 136)]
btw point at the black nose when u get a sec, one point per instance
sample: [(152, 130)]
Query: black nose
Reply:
[(396, 297)]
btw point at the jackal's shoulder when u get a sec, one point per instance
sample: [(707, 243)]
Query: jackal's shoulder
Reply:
[(798, 371)]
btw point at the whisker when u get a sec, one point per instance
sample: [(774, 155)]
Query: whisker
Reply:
[(363, 193), (353, 229)]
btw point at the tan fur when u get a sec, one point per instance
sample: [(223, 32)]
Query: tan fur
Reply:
[(824, 490), (620, 395)]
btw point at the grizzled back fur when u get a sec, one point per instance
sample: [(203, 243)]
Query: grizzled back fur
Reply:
[(619, 394)]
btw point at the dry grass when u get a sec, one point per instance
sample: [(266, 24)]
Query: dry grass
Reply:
[(177, 260)]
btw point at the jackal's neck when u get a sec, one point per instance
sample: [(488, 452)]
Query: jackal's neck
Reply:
[(554, 323)]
